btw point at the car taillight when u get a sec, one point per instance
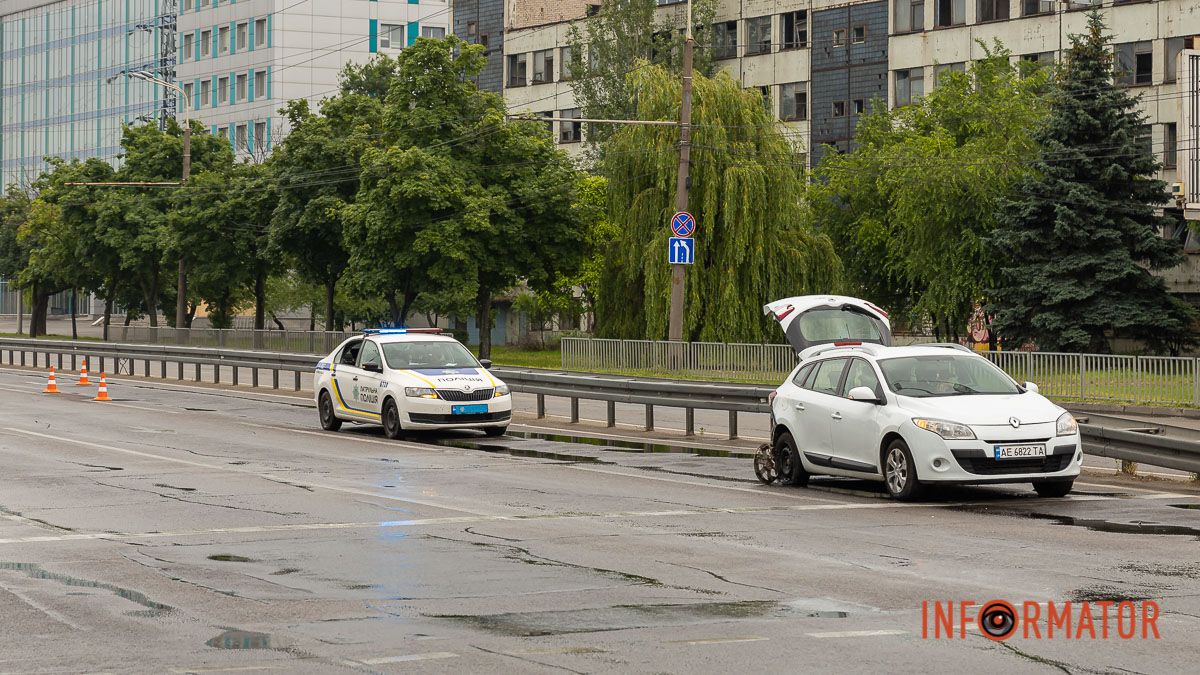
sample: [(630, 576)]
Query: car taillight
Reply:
[(885, 314), (786, 310), (847, 343)]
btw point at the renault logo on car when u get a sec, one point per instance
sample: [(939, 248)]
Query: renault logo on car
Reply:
[(1014, 422)]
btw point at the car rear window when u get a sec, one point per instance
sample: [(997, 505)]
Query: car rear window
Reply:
[(830, 325)]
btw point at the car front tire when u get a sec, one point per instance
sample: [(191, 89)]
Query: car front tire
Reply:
[(391, 420), (900, 472), (495, 431), (787, 461), (1053, 488), (329, 421)]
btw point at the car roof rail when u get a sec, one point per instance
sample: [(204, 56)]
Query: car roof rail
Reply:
[(949, 345), (855, 345)]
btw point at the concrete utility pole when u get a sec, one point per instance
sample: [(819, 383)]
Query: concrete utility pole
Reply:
[(675, 328)]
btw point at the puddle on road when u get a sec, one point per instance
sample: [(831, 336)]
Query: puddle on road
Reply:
[(468, 444), (229, 557), (241, 639), (623, 617), (1185, 506), (35, 571), (1094, 524)]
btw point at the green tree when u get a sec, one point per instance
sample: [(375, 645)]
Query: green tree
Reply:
[(911, 206), (747, 182), (627, 34), (1078, 239), (49, 242), (14, 254)]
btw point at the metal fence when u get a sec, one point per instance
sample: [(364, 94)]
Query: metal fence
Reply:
[(755, 362), (286, 341)]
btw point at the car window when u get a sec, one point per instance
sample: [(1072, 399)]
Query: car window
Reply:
[(829, 325), (802, 375), (349, 356), (829, 376), (861, 374), (370, 354)]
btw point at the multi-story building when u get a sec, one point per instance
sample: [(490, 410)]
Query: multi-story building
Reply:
[(240, 62), (64, 92)]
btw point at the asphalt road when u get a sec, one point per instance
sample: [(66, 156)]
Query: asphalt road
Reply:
[(184, 529)]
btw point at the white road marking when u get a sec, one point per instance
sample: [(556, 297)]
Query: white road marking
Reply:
[(409, 657), (236, 669), (719, 641), (857, 633), (163, 411), (555, 650), (246, 472)]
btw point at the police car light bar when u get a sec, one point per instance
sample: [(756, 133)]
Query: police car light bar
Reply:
[(399, 331)]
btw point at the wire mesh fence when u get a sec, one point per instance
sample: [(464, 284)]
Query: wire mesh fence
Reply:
[(287, 341)]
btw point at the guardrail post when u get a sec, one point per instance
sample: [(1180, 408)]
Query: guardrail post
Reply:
[(275, 379), (254, 377), (733, 421), (297, 380), (649, 417), (217, 373), (179, 371), (102, 370), (541, 406), (574, 410), (60, 361), (689, 421), (197, 372), (22, 358), (612, 413), (235, 375), (162, 369), (146, 363)]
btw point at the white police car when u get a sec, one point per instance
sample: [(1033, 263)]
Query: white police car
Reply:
[(410, 379)]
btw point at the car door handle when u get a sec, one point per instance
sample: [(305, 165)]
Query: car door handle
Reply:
[(799, 406), (837, 415)]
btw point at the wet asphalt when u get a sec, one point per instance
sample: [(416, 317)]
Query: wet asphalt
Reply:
[(184, 529)]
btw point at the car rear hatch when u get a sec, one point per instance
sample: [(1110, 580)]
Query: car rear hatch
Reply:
[(811, 320)]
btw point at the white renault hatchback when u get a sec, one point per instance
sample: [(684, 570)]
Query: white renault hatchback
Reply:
[(410, 379), (856, 406)]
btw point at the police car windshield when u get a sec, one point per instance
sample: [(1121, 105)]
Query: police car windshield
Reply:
[(415, 355)]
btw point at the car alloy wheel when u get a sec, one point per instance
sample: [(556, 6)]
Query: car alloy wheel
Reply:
[(897, 470)]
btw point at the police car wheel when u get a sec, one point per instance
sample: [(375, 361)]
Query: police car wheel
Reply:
[(329, 421), (495, 431), (391, 419)]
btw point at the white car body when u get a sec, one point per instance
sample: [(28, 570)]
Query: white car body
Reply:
[(359, 380), (1007, 434)]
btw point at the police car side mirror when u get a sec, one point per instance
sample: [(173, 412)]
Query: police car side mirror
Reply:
[(486, 363), (372, 368)]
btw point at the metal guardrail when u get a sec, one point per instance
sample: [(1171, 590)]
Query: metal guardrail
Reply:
[(1120, 443), (289, 341)]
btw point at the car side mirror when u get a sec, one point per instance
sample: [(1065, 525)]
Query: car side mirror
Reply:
[(372, 367), (1032, 387), (864, 394), (486, 363)]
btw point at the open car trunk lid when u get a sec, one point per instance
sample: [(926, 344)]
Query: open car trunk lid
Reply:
[(811, 320)]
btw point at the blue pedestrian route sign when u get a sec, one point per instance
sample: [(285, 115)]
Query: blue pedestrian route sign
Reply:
[(682, 251), (683, 224)]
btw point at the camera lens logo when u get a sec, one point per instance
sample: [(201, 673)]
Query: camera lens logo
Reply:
[(998, 620)]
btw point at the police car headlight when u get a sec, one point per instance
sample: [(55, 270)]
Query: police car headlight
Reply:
[(501, 390), (420, 392)]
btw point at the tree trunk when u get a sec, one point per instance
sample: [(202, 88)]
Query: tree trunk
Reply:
[(406, 308), (278, 323), (34, 292), (74, 326), (260, 298), (394, 309), (312, 318), (108, 309), (484, 321), (329, 289), (149, 293), (190, 316)]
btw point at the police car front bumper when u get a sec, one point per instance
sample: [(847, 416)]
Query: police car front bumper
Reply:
[(438, 414)]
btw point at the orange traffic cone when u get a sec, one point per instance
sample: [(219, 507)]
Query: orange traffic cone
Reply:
[(83, 377), (102, 395), (51, 384)]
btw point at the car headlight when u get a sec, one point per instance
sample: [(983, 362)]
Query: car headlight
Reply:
[(951, 431), (1066, 425), (501, 390), (420, 392)]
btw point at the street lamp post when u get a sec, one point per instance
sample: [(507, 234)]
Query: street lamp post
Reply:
[(181, 282)]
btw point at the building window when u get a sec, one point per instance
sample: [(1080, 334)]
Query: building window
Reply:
[(565, 56), (543, 66), (223, 91), (942, 68), (223, 40), (950, 12), (570, 132), (725, 40), (472, 29), (188, 90), (223, 132), (260, 84), (1170, 146), (860, 106), (993, 10), (1173, 47), (242, 140), (260, 136), (206, 43), (839, 108), (242, 36), (910, 86), (795, 29), (483, 40), (839, 37), (1035, 7), (206, 92), (1135, 63), (435, 32), (260, 32), (793, 101), (858, 34), (517, 70), (241, 87), (391, 36), (188, 47), (910, 15), (758, 35)]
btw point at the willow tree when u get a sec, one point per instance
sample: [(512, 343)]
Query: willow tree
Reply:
[(747, 180)]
